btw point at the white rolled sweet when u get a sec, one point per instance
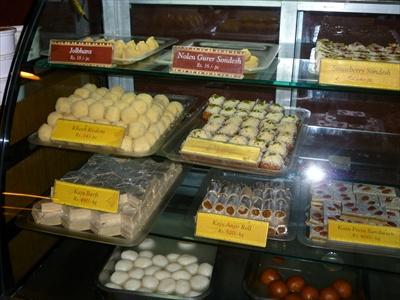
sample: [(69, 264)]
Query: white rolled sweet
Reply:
[(142, 262), (173, 257), (192, 268), (80, 109), (129, 255), (205, 269), (140, 106), (126, 144), (151, 270), (44, 132), (173, 267), (136, 130), (136, 273), (81, 92), (129, 114), (182, 287), (112, 114), (166, 286), (162, 274), (132, 284), (150, 282), (199, 283), (53, 117), (160, 260), (123, 265), (181, 274), (63, 105), (119, 277)]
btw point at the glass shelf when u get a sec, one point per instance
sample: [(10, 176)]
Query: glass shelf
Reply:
[(278, 74), (177, 221)]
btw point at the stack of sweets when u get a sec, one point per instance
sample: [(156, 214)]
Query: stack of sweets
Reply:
[(353, 203), (253, 123), (265, 201), (142, 184)]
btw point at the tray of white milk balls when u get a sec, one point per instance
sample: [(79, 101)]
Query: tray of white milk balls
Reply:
[(147, 119), (258, 56), (159, 268)]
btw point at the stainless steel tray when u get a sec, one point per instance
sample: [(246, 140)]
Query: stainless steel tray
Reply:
[(172, 148), (265, 52), (188, 104), (303, 233), (25, 221), (205, 253), (310, 270), (249, 179), (163, 43)]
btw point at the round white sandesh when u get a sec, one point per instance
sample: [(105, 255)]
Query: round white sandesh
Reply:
[(182, 287), (162, 274), (119, 277), (44, 132), (205, 269), (132, 284), (136, 273), (123, 265), (150, 282), (53, 117), (199, 283), (80, 109), (129, 114), (142, 262), (129, 254), (166, 286), (63, 105), (160, 260)]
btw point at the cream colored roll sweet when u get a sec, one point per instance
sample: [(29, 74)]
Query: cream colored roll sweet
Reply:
[(44, 132), (141, 145), (145, 121), (153, 114), (117, 90), (81, 92), (53, 117), (126, 144), (128, 97), (140, 106), (90, 86), (96, 111), (166, 286), (129, 114), (112, 114), (95, 96), (147, 98), (175, 107), (63, 105), (161, 99), (136, 130)]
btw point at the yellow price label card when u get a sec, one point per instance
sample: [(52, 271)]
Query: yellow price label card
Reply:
[(85, 196), (215, 149), (364, 234), (237, 230), (88, 133), (370, 74)]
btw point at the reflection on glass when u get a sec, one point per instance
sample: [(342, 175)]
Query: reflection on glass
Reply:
[(314, 173)]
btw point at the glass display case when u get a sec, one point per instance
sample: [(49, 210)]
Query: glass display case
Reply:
[(327, 153)]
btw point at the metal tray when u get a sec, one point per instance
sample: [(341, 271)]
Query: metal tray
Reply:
[(172, 148), (188, 106), (303, 233), (265, 52), (317, 274), (247, 178), (205, 253), (25, 221), (163, 43)]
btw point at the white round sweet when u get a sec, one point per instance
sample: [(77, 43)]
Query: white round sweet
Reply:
[(181, 274), (146, 98), (96, 111), (113, 286), (107, 102), (132, 284), (162, 274), (136, 129), (160, 260), (129, 255), (141, 145), (145, 121), (182, 287), (146, 253), (112, 114), (53, 117), (90, 101), (111, 96), (81, 92), (192, 294), (161, 99), (151, 270), (175, 108), (90, 86), (129, 115), (80, 108), (123, 265), (172, 257), (192, 268), (186, 245), (119, 277), (173, 267), (63, 105), (102, 91), (117, 90), (147, 244), (136, 273), (153, 115), (186, 259), (44, 132), (150, 282), (205, 269), (142, 262), (128, 97), (126, 144), (199, 283), (96, 96), (144, 290), (140, 106), (166, 286)]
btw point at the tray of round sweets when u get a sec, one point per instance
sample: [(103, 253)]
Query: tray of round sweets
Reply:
[(270, 277), (147, 120), (159, 268), (251, 136), (251, 197), (348, 202)]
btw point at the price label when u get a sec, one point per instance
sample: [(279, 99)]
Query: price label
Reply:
[(364, 234), (204, 61), (81, 53), (214, 149), (356, 73), (88, 133), (237, 230), (85, 196)]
